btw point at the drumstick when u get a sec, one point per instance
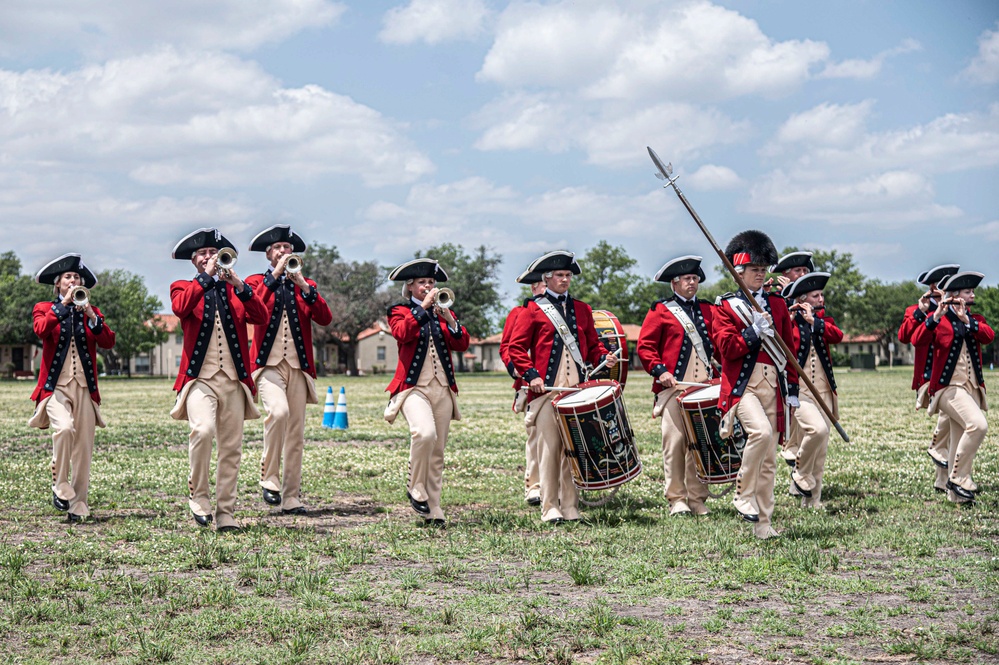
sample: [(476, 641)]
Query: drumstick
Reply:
[(553, 389), (616, 354), (692, 383)]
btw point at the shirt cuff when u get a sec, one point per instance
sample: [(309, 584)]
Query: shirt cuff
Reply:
[(270, 281), (420, 315), (511, 370), (750, 336), (61, 311), (659, 370), (246, 293), (972, 325), (311, 296), (819, 326), (97, 327), (919, 315), (792, 389), (531, 374), (205, 280), (931, 323)]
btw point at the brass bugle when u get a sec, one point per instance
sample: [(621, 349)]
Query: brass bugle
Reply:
[(444, 298), (225, 259), (81, 296), (293, 265)]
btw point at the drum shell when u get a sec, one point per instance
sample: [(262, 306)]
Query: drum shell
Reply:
[(611, 333), (717, 460), (600, 456)]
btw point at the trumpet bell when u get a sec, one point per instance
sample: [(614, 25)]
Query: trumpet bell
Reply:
[(226, 258), (444, 298), (293, 265), (81, 296)]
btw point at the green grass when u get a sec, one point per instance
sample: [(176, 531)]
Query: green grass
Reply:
[(889, 571)]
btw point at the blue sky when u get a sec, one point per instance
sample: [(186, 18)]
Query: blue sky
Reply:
[(382, 127)]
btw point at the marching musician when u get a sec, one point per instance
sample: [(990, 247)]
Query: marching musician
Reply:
[(957, 385), (532, 477), (214, 388), (556, 336), (66, 397), (675, 348), (790, 267), (756, 379), (281, 361), (424, 387), (915, 316), (813, 330)]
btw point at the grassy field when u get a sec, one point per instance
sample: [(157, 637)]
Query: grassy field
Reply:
[(889, 572)]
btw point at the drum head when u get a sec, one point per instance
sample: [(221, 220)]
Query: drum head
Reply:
[(590, 392), (697, 395)]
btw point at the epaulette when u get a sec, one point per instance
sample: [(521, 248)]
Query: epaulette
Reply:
[(723, 297), (401, 303), (656, 302)]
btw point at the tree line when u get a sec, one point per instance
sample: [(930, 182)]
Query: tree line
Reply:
[(358, 295)]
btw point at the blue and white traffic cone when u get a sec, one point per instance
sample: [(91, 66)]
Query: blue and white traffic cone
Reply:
[(340, 417), (329, 411)]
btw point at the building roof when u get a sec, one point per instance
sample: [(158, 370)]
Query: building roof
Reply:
[(167, 322), (867, 338)]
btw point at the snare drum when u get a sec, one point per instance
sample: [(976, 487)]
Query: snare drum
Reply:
[(717, 459), (597, 436), (611, 333)]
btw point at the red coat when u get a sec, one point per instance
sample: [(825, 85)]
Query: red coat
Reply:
[(914, 318), (308, 308), (825, 328), (536, 348), (52, 321), (187, 297), (947, 346), (412, 326), (739, 358), (504, 349), (662, 343)]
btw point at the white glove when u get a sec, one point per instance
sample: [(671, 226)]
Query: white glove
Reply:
[(761, 326), (793, 402)]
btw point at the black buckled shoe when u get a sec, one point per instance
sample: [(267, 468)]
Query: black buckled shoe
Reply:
[(297, 510), (422, 507), (202, 520), (271, 497), (802, 490), (75, 518), (942, 465), (435, 523), (232, 528), (960, 491), (60, 504)]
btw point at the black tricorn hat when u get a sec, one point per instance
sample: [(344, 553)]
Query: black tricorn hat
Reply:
[(192, 242), (277, 233), (751, 248), (794, 260), (51, 271), (813, 281), (529, 277), (560, 259), (935, 275), (961, 280), (684, 265), (418, 268)]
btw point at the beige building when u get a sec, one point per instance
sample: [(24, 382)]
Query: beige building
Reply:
[(164, 360), (871, 344), (19, 360)]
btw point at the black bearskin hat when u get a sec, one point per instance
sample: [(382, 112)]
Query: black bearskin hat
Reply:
[(751, 248)]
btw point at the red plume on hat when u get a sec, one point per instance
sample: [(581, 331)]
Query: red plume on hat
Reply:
[(751, 248)]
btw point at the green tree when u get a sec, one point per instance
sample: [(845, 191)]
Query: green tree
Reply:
[(18, 296), (608, 281), (987, 304), (475, 284), (881, 308), (129, 309), (10, 265), (356, 294)]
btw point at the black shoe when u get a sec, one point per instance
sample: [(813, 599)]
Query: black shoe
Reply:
[(75, 518), (272, 498), (960, 491), (202, 520), (556, 521), (534, 501), (942, 465), (60, 504), (422, 507), (790, 462), (228, 529), (436, 523), (748, 517), (804, 492), (299, 510), (942, 490)]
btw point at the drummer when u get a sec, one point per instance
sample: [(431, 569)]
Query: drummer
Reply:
[(813, 332), (675, 348), (555, 335), (756, 379)]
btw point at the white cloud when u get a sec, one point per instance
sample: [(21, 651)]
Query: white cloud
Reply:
[(610, 136), (827, 124), (113, 27), (867, 69), (989, 231), (199, 119), (434, 21), (985, 66), (693, 51), (714, 177)]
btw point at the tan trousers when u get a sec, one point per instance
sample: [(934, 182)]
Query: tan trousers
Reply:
[(757, 411), (813, 428), (678, 460), (967, 431), (428, 411), (532, 472), (284, 393), (215, 410), (559, 497), (940, 447), (73, 421)]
